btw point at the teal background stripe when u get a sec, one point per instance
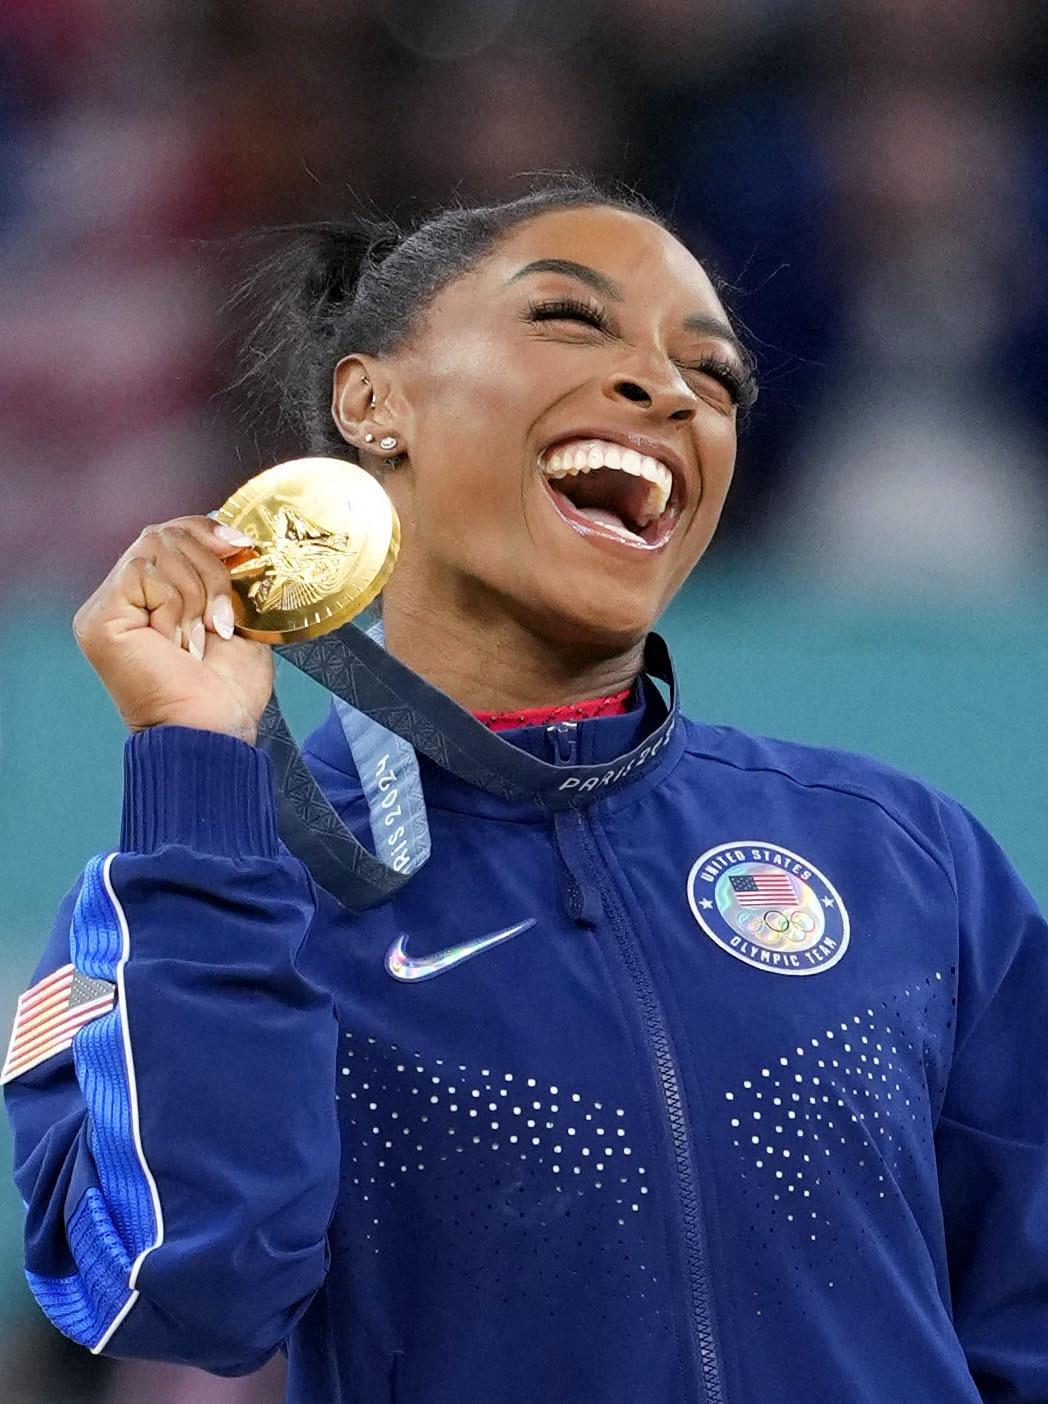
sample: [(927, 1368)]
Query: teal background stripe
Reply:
[(953, 691)]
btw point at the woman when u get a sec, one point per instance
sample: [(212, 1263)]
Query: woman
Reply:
[(723, 1082)]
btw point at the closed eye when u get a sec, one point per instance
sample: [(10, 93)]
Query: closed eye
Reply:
[(568, 309), (740, 382), (739, 385)]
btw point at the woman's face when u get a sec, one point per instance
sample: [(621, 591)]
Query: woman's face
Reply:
[(570, 431)]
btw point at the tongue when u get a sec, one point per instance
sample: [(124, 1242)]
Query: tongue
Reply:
[(603, 517)]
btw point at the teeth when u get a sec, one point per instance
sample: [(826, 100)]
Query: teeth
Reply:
[(585, 455)]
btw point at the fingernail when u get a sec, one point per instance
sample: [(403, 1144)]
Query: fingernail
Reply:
[(222, 617), (178, 636), (233, 536), (197, 638)]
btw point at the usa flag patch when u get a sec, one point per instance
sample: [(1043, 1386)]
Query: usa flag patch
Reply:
[(49, 1014)]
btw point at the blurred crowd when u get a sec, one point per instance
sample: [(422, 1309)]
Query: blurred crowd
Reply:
[(868, 177)]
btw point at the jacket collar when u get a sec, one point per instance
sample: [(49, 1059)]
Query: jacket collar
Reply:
[(383, 707), (597, 750), (509, 765)]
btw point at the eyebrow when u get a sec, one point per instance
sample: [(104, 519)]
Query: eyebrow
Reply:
[(699, 323), (599, 282), (705, 324)]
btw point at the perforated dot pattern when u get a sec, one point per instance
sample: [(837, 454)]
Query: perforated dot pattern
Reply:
[(497, 1164), (830, 1136)]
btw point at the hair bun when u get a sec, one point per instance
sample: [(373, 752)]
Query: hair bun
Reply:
[(342, 254)]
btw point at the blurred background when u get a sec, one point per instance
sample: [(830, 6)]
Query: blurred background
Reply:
[(869, 177)]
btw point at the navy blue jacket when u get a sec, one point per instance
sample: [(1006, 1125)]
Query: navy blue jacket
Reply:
[(729, 1086)]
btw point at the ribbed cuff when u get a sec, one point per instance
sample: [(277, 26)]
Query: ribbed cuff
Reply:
[(200, 789)]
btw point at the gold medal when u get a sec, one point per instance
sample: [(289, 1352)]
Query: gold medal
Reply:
[(326, 537)]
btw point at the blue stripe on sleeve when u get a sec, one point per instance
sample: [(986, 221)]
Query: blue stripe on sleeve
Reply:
[(114, 1226), (96, 939), (99, 1058), (82, 1306)]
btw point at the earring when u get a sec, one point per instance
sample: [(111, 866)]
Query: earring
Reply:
[(389, 442), (369, 438)]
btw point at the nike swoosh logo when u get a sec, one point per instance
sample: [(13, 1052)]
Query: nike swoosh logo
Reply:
[(404, 967)]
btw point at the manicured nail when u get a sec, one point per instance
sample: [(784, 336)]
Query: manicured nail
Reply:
[(197, 637), (222, 617), (233, 536)]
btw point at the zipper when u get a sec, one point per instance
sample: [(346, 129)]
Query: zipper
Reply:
[(563, 737)]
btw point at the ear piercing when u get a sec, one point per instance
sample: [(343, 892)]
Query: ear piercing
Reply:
[(389, 441)]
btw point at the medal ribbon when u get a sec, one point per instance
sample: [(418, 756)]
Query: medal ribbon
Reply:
[(389, 698)]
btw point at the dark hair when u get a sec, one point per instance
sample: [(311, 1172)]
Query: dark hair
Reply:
[(328, 289)]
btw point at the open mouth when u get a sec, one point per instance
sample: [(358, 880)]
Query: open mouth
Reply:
[(598, 484)]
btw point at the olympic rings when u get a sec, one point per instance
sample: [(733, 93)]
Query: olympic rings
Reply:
[(776, 926)]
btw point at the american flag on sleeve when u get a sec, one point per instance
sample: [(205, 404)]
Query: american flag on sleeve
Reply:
[(49, 1014)]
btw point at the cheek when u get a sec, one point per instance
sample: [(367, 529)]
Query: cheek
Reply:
[(718, 448), (468, 442), (474, 403), (718, 445), (468, 379)]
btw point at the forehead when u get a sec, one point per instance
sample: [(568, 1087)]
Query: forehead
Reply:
[(650, 264)]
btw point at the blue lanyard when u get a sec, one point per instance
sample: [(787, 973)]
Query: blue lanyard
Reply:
[(388, 769), (384, 705)]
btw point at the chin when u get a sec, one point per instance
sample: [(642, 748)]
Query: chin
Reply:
[(607, 625)]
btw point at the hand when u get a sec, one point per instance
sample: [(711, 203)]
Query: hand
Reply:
[(159, 633)]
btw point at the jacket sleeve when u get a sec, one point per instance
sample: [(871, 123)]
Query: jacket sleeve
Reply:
[(992, 1134), (179, 1162)]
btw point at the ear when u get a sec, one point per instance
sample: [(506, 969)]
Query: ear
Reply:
[(357, 403)]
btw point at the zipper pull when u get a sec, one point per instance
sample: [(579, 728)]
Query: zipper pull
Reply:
[(579, 890), (563, 738)]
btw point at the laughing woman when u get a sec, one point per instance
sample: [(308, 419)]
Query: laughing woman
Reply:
[(725, 1081)]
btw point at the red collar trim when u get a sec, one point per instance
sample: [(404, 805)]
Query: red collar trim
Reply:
[(613, 706)]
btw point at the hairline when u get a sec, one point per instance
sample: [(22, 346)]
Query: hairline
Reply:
[(490, 248)]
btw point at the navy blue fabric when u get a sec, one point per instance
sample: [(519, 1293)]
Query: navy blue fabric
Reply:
[(84, 1304), (389, 700), (607, 1159)]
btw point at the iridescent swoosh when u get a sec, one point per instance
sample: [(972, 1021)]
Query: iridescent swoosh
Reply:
[(404, 967)]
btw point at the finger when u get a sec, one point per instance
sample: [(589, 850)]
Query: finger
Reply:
[(173, 565), (149, 590), (220, 540), (217, 613), (124, 601), (177, 558)]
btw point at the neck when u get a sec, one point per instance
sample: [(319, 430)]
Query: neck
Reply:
[(494, 663)]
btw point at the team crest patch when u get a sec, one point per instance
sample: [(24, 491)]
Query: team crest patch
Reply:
[(769, 907)]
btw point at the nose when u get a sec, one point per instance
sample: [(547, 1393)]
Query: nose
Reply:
[(664, 396)]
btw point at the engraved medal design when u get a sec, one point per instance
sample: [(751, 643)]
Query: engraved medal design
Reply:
[(769, 907), (327, 539)]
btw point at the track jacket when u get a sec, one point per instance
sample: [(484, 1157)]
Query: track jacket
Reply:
[(727, 1086)]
